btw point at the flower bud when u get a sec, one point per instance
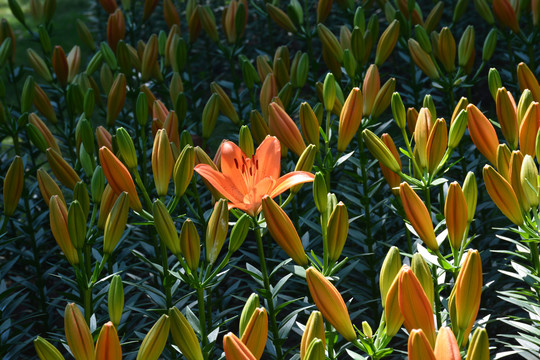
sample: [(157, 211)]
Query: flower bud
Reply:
[(514, 172), (380, 151), (183, 335), (47, 187), (225, 104), (165, 227), (466, 46), (479, 346), (43, 104), (330, 42), (300, 69), (529, 180), (350, 119), (506, 114), (384, 96), (422, 132), (78, 335), (315, 350), (320, 192), (415, 305), (482, 133), (115, 300), (398, 110), (387, 42), (116, 28), (234, 348), (149, 57), (389, 270), (126, 148), (119, 177), (13, 186), (503, 160), (505, 14), (421, 270), (490, 44), (61, 169), (527, 80), (190, 244), (494, 82), (109, 5), (446, 346), (423, 60), (483, 9), (39, 65), (314, 330), (208, 22), (239, 233), (183, 170), (116, 223), (529, 129), (256, 332), (8, 46), (330, 303), (457, 129), (76, 223), (108, 199), (418, 216), (210, 115), (162, 162), (419, 347), (436, 145), (60, 65), (503, 195), (46, 351), (447, 49), (392, 312), (27, 96), (85, 35), (455, 213), (103, 138), (309, 124), (280, 18), (116, 98), (154, 342), (525, 100), (216, 232), (108, 345), (329, 92), (433, 18), (283, 127), (337, 231)]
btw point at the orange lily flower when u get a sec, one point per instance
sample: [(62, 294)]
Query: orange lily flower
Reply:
[(244, 181)]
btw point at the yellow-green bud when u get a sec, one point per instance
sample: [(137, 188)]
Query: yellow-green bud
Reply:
[(165, 227), (97, 185), (329, 92), (183, 335), (457, 129), (466, 46), (13, 185), (529, 180), (154, 342), (430, 104), (320, 192), (116, 223), (216, 231), (76, 225), (389, 270), (366, 329), (245, 141), (183, 170), (479, 346), (210, 115), (490, 44), (423, 274), (337, 231), (252, 303), (398, 110), (115, 300), (470, 191), (299, 69), (494, 82), (315, 350), (46, 351), (39, 65), (225, 104), (27, 97), (190, 244), (108, 56), (380, 151), (239, 233)]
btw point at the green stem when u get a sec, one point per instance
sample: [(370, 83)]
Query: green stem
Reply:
[(268, 292), (166, 275), (436, 296), (202, 319)]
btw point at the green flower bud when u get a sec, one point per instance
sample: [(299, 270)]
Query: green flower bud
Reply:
[(116, 223), (126, 148), (183, 170), (190, 244), (423, 274), (76, 225), (216, 231), (97, 185), (494, 82), (183, 336), (210, 115), (46, 351), (329, 91), (115, 300), (108, 56), (252, 303), (389, 270), (165, 227), (154, 342), (320, 192), (239, 233)]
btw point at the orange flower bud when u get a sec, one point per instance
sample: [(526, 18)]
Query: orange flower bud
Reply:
[(108, 345), (505, 13), (228, 20), (108, 5), (61, 169), (116, 98), (74, 62), (116, 223), (392, 313), (503, 195), (116, 28), (235, 349), (507, 115), (412, 118), (423, 128), (108, 199), (190, 244), (436, 145), (330, 303), (370, 88), (60, 65), (418, 216), (225, 104), (482, 133), (314, 330), (282, 231), (419, 348), (13, 185), (456, 215), (283, 127), (337, 231), (527, 80), (208, 22), (48, 187), (503, 160), (78, 335), (170, 14), (528, 130), (256, 332), (118, 177), (464, 300), (58, 218), (415, 306), (446, 346), (350, 119), (104, 138)]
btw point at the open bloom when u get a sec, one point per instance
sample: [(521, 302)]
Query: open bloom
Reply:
[(244, 181)]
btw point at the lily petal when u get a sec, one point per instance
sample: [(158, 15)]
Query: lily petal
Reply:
[(232, 159), (220, 182), (268, 156), (289, 180)]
